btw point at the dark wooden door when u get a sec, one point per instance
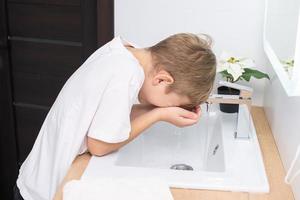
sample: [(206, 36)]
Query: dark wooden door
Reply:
[(8, 148), (44, 42)]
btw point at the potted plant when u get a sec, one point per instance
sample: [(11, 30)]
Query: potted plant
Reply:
[(233, 69)]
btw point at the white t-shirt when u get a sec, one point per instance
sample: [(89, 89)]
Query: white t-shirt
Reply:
[(95, 101)]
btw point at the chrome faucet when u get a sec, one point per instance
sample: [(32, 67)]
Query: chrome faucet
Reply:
[(245, 97)]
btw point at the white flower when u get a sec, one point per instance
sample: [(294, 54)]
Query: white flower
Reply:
[(234, 65), (235, 70), (223, 64)]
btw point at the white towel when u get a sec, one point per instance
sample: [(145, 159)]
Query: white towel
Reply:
[(117, 189)]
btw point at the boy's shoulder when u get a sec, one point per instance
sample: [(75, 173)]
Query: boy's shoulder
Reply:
[(114, 58), (123, 62)]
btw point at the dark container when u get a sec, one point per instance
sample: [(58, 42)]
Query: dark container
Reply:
[(228, 108)]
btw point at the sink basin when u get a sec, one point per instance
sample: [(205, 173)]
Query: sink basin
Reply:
[(203, 156), (165, 145)]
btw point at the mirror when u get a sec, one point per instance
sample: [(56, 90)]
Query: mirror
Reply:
[(281, 41)]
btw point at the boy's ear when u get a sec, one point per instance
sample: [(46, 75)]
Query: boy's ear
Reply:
[(162, 77)]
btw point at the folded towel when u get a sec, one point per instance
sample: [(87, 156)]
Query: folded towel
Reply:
[(117, 189)]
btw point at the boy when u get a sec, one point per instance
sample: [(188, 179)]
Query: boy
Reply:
[(93, 111)]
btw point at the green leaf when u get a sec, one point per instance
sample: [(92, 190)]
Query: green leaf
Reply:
[(246, 76), (255, 73), (226, 75)]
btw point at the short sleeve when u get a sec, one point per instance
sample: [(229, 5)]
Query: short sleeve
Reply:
[(111, 122)]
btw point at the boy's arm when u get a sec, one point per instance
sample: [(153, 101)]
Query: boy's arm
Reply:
[(140, 121), (174, 115), (139, 109)]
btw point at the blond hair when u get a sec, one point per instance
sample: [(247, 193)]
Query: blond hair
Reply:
[(190, 61)]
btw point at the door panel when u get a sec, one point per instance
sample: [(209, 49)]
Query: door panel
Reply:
[(8, 147), (36, 89), (45, 58), (45, 21), (55, 2), (30, 120), (3, 31)]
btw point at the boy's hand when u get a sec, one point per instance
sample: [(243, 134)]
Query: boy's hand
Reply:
[(178, 116)]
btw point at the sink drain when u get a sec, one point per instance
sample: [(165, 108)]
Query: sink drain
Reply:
[(181, 167)]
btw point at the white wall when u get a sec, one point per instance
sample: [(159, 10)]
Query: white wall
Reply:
[(283, 114), (235, 25), (282, 13)]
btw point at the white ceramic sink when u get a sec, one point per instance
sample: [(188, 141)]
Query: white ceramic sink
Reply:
[(218, 160)]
